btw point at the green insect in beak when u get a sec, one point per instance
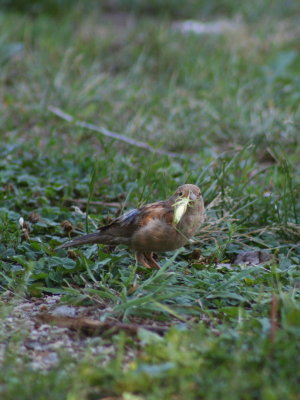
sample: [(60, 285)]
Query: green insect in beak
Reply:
[(180, 207)]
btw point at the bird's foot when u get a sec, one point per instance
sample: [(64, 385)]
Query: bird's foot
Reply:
[(146, 259)]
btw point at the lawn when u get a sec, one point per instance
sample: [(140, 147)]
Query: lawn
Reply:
[(221, 318)]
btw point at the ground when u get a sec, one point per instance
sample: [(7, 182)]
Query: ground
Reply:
[(217, 106)]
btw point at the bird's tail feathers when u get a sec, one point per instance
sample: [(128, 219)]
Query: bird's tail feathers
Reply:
[(89, 238)]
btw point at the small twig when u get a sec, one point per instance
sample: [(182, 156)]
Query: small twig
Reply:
[(95, 203), (67, 117), (273, 318), (92, 326)]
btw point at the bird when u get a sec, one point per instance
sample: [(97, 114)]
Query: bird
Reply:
[(153, 228)]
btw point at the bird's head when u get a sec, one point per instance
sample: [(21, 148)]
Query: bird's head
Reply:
[(192, 192), (186, 196)]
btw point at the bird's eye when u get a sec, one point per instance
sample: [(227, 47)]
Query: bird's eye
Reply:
[(180, 193)]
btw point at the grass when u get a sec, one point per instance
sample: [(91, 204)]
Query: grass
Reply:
[(229, 106)]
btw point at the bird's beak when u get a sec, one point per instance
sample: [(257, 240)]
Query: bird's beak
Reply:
[(192, 196)]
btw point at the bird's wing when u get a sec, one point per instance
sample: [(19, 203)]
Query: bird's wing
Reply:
[(161, 210), (139, 217)]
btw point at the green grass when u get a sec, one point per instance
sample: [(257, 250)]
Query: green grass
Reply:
[(229, 106)]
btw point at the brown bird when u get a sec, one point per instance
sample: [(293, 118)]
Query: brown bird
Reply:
[(156, 227)]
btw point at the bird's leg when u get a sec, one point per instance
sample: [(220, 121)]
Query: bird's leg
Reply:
[(140, 258), (151, 262), (146, 260)]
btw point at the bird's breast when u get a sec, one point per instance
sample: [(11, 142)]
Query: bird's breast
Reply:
[(190, 224), (157, 236)]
